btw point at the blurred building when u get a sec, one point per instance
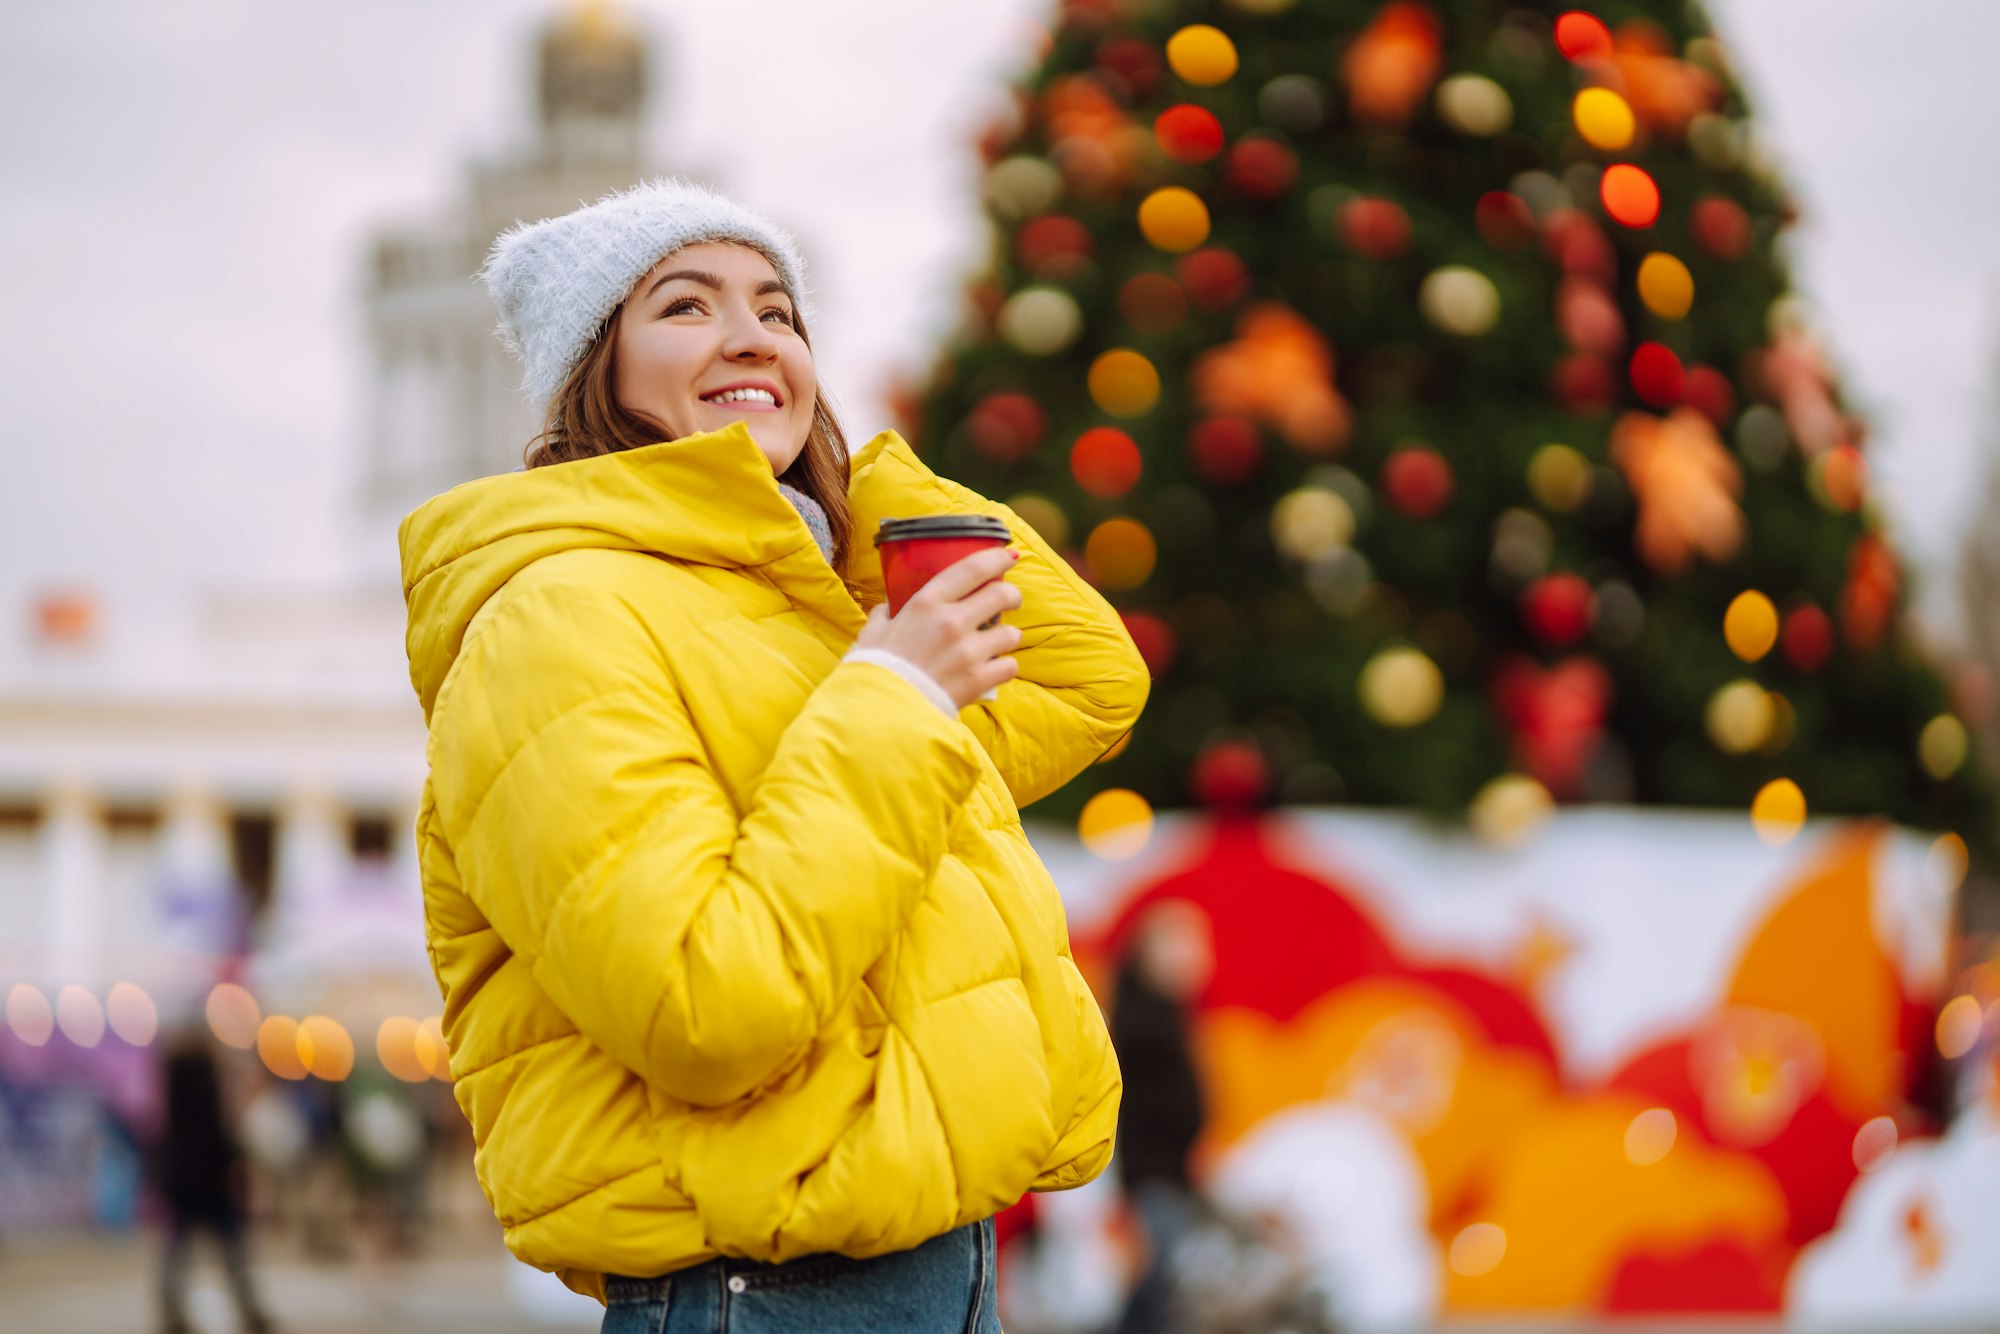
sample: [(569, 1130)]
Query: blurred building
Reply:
[(247, 783)]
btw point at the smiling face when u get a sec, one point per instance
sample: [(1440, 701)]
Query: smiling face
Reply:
[(709, 337)]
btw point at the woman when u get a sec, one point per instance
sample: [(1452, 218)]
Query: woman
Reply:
[(759, 1002)]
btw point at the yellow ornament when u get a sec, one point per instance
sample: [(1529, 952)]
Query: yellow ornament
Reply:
[(1603, 118), (1201, 55), (1043, 515), (1120, 553), (1509, 808), (1312, 523), (1559, 477), (1021, 187), (1665, 285), (1942, 746), (1739, 717), (1778, 811), (1174, 219), (1116, 824), (1400, 687), (1124, 383), (1750, 625)]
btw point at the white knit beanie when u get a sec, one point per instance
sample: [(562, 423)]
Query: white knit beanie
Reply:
[(556, 281)]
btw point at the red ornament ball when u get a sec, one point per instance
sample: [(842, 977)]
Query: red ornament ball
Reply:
[(1230, 775), (1154, 639), (1573, 239), (1053, 246), (1261, 169), (1417, 481), (1105, 461), (1373, 228), (1584, 385), (1213, 277), (1720, 226), (1557, 609), (1589, 318), (1709, 392), (1135, 62), (1225, 450), (1807, 638), (1188, 133), (1007, 426), (1504, 220), (1581, 36), (1657, 376)]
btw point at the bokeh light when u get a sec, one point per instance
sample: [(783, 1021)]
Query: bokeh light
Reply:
[(1152, 302), (1312, 523), (432, 1053), (1778, 811), (1509, 808), (1459, 300), (1948, 860), (131, 1014), (1040, 321), (1043, 515), (396, 1049), (1401, 687), (1581, 36), (1739, 717), (1124, 383), (1750, 626), (1560, 478), (1201, 55), (1603, 118), (1116, 824), (1959, 1025), (1121, 554), (29, 1015), (1942, 746), (1188, 133), (80, 1016), (325, 1048), (1650, 1137), (1875, 1143), (1474, 104), (1477, 1249), (1105, 461), (1173, 219), (278, 1047), (1665, 285), (1630, 196), (233, 1015)]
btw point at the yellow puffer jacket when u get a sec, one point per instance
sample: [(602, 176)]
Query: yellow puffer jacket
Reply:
[(743, 950)]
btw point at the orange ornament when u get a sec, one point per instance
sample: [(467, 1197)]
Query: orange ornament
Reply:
[(1686, 483), (1392, 64), (1629, 195), (1278, 371)]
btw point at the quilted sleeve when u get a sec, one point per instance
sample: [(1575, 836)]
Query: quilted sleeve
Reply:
[(1082, 682), (702, 946)]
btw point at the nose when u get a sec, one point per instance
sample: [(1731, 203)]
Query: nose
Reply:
[(748, 338)]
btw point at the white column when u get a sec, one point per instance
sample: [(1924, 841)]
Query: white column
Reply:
[(312, 859), (73, 879), (195, 893)]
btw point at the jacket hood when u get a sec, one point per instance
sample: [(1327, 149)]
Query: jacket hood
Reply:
[(709, 499)]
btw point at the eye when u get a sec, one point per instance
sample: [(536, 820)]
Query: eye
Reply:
[(784, 316), (680, 304)]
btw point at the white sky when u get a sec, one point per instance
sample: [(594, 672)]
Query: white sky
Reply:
[(189, 183)]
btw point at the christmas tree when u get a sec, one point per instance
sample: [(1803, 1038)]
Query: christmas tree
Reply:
[(1422, 382)]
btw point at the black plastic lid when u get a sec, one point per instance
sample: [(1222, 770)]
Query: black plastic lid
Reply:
[(942, 525)]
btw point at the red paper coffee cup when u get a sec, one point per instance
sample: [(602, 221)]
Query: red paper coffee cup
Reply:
[(913, 550)]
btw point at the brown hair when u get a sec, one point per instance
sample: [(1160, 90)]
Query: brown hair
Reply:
[(586, 419)]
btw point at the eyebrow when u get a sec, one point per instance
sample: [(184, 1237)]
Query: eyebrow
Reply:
[(707, 279)]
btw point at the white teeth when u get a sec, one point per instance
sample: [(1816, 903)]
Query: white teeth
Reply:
[(743, 395)]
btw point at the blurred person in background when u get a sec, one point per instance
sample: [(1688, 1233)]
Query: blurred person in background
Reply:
[(1167, 962), (199, 1168), (758, 1000)]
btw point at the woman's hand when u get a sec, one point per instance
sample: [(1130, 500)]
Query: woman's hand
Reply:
[(939, 628)]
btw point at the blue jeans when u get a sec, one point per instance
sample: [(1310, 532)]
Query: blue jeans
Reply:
[(945, 1286)]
